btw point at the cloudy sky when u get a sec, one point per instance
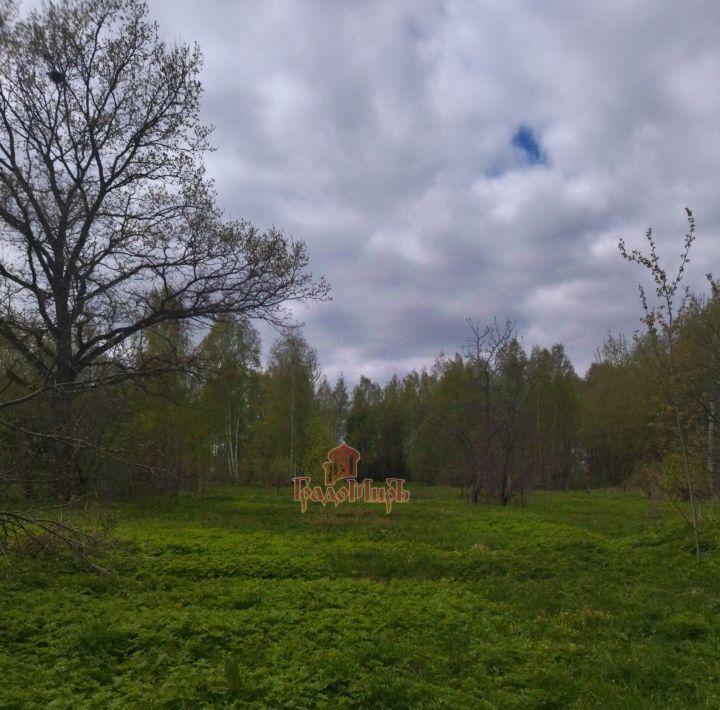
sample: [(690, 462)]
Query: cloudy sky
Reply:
[(446, 160)]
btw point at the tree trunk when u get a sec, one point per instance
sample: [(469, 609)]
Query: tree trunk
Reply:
[(688, 480), (64, 475), (712, 483), (505, 488), (477, 485)]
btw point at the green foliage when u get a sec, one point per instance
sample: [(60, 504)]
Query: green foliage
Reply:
[(227, 403), (554, 401), (319, 440), (621, 427), (363, 425), (236, 599), (444, 446), (288, 409), (232, 675), (129, 242)]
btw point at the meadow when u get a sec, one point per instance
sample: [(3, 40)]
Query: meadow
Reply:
[(236, 599)]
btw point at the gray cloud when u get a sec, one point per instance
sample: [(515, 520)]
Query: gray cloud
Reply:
[(382, 134)]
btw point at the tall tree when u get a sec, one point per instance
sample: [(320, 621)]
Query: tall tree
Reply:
[(159, 413), (698, 355), (289, 405), (104, 200), (511, 421), (334, 403), (484, 350), (619, 427), (363, 425), (553, 399), (230, 362), (445, 443)]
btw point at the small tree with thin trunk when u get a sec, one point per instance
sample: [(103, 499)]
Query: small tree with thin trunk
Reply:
[(662, 322)]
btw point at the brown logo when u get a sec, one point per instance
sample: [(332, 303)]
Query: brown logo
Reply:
[(342, 465)]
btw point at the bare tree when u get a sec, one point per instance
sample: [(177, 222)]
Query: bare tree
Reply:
[(104, 203), (484, 348), (511, 424)]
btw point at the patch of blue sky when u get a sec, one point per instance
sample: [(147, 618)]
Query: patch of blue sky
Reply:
[(527, 143)]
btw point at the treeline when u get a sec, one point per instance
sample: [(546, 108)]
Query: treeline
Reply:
[(496, 420)]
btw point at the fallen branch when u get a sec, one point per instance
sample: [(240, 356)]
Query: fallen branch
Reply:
[(23, 526)]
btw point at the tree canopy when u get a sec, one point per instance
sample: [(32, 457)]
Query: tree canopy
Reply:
[(108, 220)]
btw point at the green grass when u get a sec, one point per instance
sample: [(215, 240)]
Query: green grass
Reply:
[(236, 599)]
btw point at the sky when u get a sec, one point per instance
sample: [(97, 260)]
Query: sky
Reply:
[(451, 160)]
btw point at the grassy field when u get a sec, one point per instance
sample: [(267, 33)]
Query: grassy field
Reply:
[(236, 599)]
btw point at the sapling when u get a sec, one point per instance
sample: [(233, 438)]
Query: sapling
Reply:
[(662, 326)]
